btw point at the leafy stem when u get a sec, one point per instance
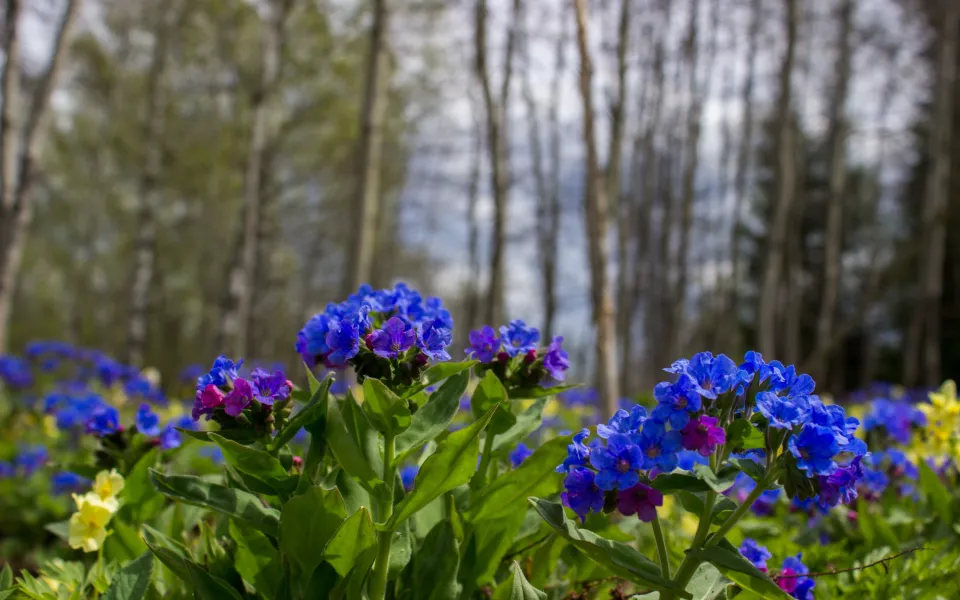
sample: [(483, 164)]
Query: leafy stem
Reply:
[(378, 580), (661, 547)]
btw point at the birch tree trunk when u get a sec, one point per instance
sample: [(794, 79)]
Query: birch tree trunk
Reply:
[(144, 251), (551, 216), (472, 308), (595, 207), (19, 163), (360, 259), (837, 137), (786, 191), (236, 317)]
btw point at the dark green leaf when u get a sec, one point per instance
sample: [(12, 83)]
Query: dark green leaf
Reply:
[(243, 436), (535, 477), (488, 393), (490, 541), (231, 502), (753, 470), (202, 583), (436, 564), (132, 581), (255, 558), (933, 488), (386, 411), (527, 422), (315, 409), (690, 502), (731, 563), (401, 550), (350, 541), (516, 587), (141, 501), (438, 373), (434, 417), (258, 464), (451, 465), (718, 482), (621, 559), (744, 435), (124, 543), (346, 449), (306, 524)]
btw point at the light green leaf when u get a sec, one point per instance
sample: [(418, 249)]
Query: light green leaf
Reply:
[(315, 409), (132, 581), (434, 417), (451, 465), (516, 587), (307, 522), (527, 422), (61, 529), (229, 501), (744, 435), (436, 563), (621, 559), (350, 541), (124, 543), (257, 561), (202, 583), (6, 577), (707, 583), (141, 501), (488, 393), (347, 450), (933, 488), (388, 413), (243, 436), (438, 373), (257, 464), (731, 563), (718, 482)]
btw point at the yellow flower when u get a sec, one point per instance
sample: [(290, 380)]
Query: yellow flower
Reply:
[(50, 428), (152, 375), (943, 418), (106, 487), (87, 528)]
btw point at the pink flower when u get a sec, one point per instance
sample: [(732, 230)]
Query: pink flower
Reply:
[(703, 434), (239, 397), (641, 500)]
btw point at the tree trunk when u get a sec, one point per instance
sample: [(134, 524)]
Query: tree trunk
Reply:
[(595, 207), (833, 243), (9, 118), (786, 191), (144, 252), (938, 193), (236, 317), (360, 259), (16, 209), (551, 216), (472, 308)]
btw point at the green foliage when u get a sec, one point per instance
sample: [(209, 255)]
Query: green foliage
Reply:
[(132, 581)]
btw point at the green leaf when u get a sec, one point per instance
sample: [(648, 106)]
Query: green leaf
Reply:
[(401, 550), (527, 422), (202, 583), (707, 583), (231, 502), (141, 501), (535, 477), (533, 393), (350, 541), (436, 564), (451, 465), (123, 543), (387, 412), (516, 587), (255, 559), (744, 435), (61, 529), (720, 481), (346, 449), (6, 577), (933, 488), (258, 464), (438, 373), (315, 409), (307, 522), (753, 470), (132, 581), (622, 560), (731, 563), (433, 417), (488, 393), (243, 436), (490, 541)]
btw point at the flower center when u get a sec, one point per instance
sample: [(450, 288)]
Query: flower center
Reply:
[(623, 465), (681, 402), (804, 454), (653, 452)]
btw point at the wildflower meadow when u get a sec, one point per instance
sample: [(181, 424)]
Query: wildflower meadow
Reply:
[(383, 467)]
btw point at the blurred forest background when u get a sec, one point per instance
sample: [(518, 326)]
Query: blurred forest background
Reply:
[(648, 178)]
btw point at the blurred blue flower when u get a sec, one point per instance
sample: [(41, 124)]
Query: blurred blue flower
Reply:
[(147, 421), (67, 482), (520, 454)]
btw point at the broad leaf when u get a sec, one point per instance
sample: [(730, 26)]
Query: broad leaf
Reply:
[(307, 522), (257, 464), (720, 481), (436, 564), (622, 560), (535, 477), (314, 409), (204, 585), (132, 581), (231, 502), (434, 417), (350, 542), (346, 449), (141, 501), (451, 465), (744, 435), (731, 563), (387, 412), (516, 587), (438, 373), (933, 488), (488, 393), (124, 543), (527, 422), (707, 583), (255, 558)]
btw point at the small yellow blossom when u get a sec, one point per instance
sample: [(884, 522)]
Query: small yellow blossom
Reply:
[(943, 419), (87, 528), (50, 428), (152, 375), (106, 487)]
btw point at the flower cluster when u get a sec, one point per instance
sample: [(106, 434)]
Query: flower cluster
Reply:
[(942, 433), (15, 372), (29, 460), (88, 525), (231, 400), (374, 330), (792, 577), (515, 356), (895, 418)]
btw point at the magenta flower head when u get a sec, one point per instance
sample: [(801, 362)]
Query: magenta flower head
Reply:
[(703, 435), (641, 500), (239, 397), (394, 339), (207, 399)]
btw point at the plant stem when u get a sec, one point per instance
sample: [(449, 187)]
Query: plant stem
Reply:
[(661, 547), (485, 461), (377, 588), (734, 518)]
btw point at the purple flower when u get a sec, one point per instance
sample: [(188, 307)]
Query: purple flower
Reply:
[(577, 452), (783, 413), (520, 454), (395, 338), (518, 338), (791, 578), (556, 361), (757, 555), (148, 423), (582, 494), (641, 500), (484, 344), (814, 449), (703, 435), (268, 388), (713, 375), (104, 420), (343, 340), (433, 339), (841, 485), (207, 400), (239, 397), (618, 463)]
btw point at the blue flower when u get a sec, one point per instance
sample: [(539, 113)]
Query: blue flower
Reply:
[(104, 420), (148, 423), (15, 372), (191, 373), (623, 422), (758, 555), (688, 458), (896, 418), (659, 447), (31, 458), (675, 401), (582, 495), (791, 578), (577, 453), (782, 413), (311, 342), (268, 388), (841, 485), (484, 344), (556, 361), (875, 481), (518, 338), (343, 340), (7, 470), (395, 338), (713, 375), (66, 482), (618, 463), (433, 339), (223, 372), (408, 475), (520, 454), (814, 449)]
